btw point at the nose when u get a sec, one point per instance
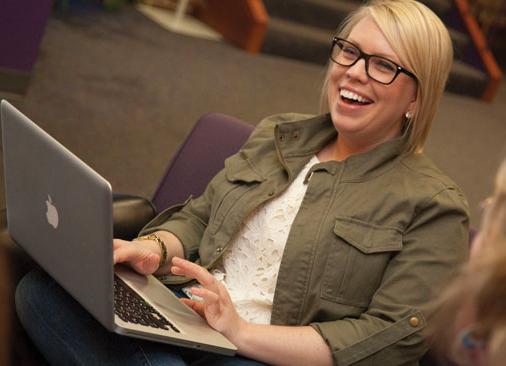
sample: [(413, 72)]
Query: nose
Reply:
[(357, 71)]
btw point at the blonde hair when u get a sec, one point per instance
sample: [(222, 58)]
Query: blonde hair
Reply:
[(474, 300), (494, 220), (479, 291), (424, 47)]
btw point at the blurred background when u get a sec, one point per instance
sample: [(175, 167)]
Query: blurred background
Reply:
[(121, 82)]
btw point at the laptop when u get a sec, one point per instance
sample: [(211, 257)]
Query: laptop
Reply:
[(59, 211)]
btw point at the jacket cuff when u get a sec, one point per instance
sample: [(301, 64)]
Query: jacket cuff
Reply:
[(345, 354), (188, 235)]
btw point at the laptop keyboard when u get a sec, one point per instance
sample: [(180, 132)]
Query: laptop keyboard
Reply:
[(132, 308)]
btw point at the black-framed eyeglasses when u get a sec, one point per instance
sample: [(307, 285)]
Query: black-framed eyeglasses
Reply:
[(378, 68)]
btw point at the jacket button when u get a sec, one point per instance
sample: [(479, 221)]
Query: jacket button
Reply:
[(281, 138), (296, 135), (414, 322), (271, 193), (219, 250)]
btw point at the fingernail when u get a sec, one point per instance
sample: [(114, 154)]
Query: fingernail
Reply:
[(175, 270)]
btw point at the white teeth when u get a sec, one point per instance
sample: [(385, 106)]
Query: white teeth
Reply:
[(350, 95)]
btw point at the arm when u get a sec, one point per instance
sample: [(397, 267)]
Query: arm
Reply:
[(180, 227), (281, 345), (389, 331), (278, 345)]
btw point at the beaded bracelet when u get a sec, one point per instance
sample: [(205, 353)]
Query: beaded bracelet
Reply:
[(161, 244)]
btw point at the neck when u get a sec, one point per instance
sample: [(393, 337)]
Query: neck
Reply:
[(342, 148), (335, 151)]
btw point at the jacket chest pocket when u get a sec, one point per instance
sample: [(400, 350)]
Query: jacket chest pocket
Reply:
[(225, 203), (357, 257), (239, 179)]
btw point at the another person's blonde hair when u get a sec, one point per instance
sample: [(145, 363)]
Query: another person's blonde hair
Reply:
[(493, 228), (424, 47), (477, 296)]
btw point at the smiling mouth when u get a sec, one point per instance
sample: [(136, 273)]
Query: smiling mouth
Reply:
[(353, 98)]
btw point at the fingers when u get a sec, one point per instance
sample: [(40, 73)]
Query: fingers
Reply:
[(186, 268), (116, 243), (212, 300), (197, 306), (211, 292), (216, 306), (141, 260), (125, 253)]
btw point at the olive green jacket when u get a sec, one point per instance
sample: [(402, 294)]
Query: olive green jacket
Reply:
[(374, 236)]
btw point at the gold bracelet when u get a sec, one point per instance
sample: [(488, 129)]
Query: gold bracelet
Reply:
[(161, 244)]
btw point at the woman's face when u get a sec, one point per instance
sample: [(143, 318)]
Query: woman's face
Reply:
[(379, 117)]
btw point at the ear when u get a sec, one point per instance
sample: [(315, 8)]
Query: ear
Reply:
[(413, 104)]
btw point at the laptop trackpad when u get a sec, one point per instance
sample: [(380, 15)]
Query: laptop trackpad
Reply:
[(162, 299)]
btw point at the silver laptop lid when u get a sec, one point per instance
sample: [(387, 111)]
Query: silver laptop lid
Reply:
[(60, 211)]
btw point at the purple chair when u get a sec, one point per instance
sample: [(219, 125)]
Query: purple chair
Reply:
[(213, 138), (22, 25)]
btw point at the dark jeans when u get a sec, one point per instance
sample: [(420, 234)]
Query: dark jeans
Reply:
[(67, 334)]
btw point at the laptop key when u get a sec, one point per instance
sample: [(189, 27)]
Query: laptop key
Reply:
[(132, 308)]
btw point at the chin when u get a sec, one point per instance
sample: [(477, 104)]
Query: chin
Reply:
[(345, 123)]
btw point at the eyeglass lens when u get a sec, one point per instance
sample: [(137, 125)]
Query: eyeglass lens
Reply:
[(378, 68)]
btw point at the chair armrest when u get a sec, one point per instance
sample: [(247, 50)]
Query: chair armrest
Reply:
[(130, 214)]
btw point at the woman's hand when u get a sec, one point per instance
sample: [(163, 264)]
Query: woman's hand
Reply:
[(142, 255), (271, 344), (217, 307)]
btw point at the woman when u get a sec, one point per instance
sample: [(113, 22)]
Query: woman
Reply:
[(470, 322), (344, 225)]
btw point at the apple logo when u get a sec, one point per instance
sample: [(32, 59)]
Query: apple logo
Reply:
[(51, 213)]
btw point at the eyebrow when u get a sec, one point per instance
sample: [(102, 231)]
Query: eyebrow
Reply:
[(388, 56)]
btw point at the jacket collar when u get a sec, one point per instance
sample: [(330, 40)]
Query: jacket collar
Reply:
[(298, 141)]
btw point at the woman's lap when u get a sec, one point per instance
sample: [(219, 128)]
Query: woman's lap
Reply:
[(67, 334)]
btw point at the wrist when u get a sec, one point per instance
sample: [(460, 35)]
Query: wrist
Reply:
[(238, 335), (159, 244)]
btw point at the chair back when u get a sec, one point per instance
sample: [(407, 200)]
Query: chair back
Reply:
[(213, 138)]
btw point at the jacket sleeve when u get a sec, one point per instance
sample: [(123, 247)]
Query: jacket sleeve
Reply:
[(389, 332), (187, 221)]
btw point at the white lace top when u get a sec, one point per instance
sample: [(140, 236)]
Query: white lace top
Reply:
[(250, 266)]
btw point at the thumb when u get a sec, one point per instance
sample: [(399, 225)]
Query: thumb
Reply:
[(140, 260)]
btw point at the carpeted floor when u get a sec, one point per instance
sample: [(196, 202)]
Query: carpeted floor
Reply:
[(122, 93)]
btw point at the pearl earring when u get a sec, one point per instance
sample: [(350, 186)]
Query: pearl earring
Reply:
[(408, 115)]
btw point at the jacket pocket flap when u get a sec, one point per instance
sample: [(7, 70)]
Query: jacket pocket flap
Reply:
[(239, 168), (366, 237)]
